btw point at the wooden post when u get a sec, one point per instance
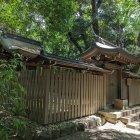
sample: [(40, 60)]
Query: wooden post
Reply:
[(119, 83), (128, 94), (128, 88)]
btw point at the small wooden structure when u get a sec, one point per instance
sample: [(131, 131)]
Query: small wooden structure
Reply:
[(121, 83), (60, 88)]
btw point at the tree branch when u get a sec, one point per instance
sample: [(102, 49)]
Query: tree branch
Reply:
[(74, 42)]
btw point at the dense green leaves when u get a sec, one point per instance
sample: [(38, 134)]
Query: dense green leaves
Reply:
[(11, 99), (45, 20), (67, 27)]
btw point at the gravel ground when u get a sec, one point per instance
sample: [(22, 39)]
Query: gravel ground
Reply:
[(107, 132)]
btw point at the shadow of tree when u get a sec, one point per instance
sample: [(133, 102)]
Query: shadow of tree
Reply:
[(101, 135)]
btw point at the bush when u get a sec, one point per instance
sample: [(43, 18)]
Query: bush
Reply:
[(11, 101)]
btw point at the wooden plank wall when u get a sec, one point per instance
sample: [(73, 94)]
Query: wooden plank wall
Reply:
[(124, 89), (112, 87), (54, 96), (134, 92)]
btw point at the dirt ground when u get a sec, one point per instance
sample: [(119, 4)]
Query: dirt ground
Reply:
[(107, 132)]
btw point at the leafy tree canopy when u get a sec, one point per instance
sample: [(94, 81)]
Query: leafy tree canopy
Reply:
[(68, 27)]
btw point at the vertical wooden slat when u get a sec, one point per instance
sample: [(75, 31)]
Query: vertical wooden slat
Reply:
[(76, 94), (84, 97), (38, 95), (41, 98), (89, 83), (100, 87), (81, 93), (86, 89), (99, 92), (91, 111), (94, 95), (35, 107), (102, 95), (100, 84), (96, 92), (73, 92), (59, 96), (55, 95), (33, 90), (66, 95), (27, 98), (70, 95), (91, 94), (29, 94), (32, 94), (86, 94), (47, 96), (51, 104), (35, 94), (92, 98), (43, 95), (96, 85), (106, 89), (62, 97)]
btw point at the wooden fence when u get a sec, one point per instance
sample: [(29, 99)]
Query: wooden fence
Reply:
[(134, 92), (131, 91), (57, 95)]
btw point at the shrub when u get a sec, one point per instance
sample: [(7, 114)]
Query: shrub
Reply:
[(11, 99)]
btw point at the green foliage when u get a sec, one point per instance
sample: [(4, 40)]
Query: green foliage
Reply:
[(11, 101), (50, 22), (11, 127), (45, 20), (10, 88)]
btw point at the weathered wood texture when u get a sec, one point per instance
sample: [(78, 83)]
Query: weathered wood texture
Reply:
[(134, 92), (131, 91), (112, 87), (125, 93), (54, 96)]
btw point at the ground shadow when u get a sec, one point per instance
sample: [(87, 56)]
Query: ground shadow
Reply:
[(108, 134)]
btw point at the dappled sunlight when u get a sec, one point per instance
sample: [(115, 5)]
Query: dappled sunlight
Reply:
[(118, 127), (97, 134)]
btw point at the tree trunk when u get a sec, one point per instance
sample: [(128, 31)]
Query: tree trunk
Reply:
[(95, 5)]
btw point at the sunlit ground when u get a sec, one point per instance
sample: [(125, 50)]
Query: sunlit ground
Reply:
[(107, 132)]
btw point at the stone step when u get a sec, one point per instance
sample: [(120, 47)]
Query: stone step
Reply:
[(130, 118), (126, 116), (126, 120), (115, 114), (126, 112), (136, 116), (135, 109), (134, 125)]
